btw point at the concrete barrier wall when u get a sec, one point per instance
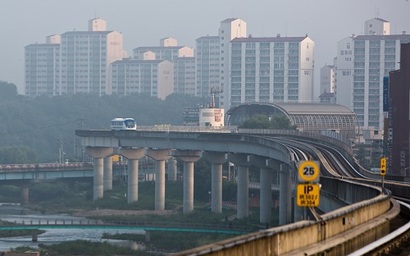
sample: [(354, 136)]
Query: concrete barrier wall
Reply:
[(336, 233)]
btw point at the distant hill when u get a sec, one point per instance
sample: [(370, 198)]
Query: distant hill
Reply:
[(43, 124)]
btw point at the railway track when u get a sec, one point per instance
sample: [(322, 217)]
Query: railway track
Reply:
[(398, 240), (334, 163)]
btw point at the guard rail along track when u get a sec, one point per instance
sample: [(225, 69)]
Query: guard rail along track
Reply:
[(339, 232)]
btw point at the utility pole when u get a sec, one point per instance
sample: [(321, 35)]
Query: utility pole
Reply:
[(78, 149), (213, 92), (60, 151)]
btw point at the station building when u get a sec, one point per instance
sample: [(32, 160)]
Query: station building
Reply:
[(308, 117)]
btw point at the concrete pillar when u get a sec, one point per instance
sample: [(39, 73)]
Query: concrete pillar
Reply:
[(160, 185), (188, 157), (25, 193), (243, 163), (188, 196), (133, 155), (132, 186), (216, 188), (159, 156), (98, 191), (98, 153), (147, 236), (285, 201), (243, 192), (265, 196), (285, 195), (108, 173), (298, 212), (34, 235), (216, 159), (172, 169)]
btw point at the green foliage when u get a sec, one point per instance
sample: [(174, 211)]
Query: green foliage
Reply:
[(7, 90), (178, 241), (41, 123), (71, 195), (64, 197), (229, 191), (257, 121), (172, 241), (81, 247), (48, 191), (10, 193), (202, 180), (280, 122), (125, 236), (17, 155), (14, 233)]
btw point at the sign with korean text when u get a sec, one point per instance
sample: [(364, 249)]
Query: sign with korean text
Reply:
[(385, 94), (308, 171), (217, 115), (308, 195), (383, 166)]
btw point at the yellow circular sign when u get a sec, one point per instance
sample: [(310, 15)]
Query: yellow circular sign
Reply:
[(308, 171)]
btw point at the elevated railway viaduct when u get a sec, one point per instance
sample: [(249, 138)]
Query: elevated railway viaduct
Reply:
[(356, 214)]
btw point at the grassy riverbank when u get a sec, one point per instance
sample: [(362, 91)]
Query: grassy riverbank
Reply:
[(75, 198)]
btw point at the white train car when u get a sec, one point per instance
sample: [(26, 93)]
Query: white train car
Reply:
[(120, 123)]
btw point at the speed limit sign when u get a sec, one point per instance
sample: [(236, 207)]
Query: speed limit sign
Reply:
[(308, 171)]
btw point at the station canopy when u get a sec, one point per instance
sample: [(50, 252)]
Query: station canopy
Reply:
[(310, 117)]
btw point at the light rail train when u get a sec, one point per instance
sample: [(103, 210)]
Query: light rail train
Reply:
[(120, 123)]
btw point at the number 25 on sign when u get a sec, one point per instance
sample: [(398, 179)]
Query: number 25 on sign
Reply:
[(308, 171)]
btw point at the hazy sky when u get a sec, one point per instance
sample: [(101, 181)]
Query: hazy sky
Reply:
[(144, 22)]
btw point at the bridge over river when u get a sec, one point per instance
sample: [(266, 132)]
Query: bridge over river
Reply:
[(92, 224)]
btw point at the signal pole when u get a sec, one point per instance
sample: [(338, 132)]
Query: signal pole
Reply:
[(383, 164)]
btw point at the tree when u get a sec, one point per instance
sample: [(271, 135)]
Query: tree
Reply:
[(7, 90), (39, 123), (17, 155), (268, 122)]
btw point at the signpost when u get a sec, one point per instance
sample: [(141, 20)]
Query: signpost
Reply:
[(308, 171), (308, 191), (383, 166), (383, 169), (308, 195)]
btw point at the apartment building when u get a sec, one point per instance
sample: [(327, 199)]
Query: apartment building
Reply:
[(271, 69), (376, 26), (229, 29), (207, 58), (327, 79), (80, 63), (184, 76), (152, 77), (167, 50), (181, 56), (361, 64), (42, 67)]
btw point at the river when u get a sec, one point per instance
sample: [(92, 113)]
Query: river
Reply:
[(18, 214)]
